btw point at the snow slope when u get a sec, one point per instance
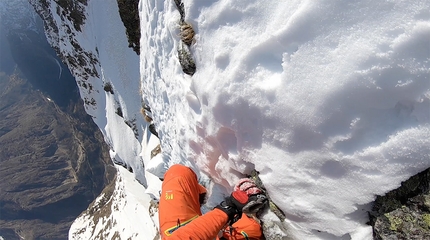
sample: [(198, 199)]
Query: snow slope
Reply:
[(329, 100)]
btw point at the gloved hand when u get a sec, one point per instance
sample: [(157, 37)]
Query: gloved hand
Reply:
[(246, 198), (247, 185), (256, 197), (229, 208)]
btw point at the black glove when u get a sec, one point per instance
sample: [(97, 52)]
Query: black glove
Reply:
[(255, 203), (229, 208), (238, 200)]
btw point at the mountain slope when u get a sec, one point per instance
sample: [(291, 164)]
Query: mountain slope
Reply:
[(51, 163), (53, 159)]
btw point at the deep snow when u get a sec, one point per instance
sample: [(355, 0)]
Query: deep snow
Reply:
[(329, 100)]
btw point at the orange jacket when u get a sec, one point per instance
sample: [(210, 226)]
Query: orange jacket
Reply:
[(245, 228), (180, 216), (203, 227), (179, 207)]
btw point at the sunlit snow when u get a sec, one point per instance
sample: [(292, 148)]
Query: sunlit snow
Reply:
[(328, 100)]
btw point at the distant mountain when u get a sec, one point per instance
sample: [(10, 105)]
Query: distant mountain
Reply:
[(53, 158), (23, 42), (53, 163)]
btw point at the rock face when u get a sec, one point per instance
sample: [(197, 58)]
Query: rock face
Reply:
[(129, 13), (404, 213)]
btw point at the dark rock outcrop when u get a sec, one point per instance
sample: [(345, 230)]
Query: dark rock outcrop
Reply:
[(186, 33), (129, 13), (404, 213)]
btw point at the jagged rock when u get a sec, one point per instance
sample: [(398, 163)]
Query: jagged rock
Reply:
[(187, 33), (129, 13), (404, 213), (180, 6), (186, 59)]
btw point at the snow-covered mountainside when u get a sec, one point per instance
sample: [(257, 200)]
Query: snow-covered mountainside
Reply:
[(328, 100)]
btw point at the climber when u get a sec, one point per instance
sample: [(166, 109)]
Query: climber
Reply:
[(180, 216)]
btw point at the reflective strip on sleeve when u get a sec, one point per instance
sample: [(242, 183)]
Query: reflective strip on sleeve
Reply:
[(169, 231), (244, 235)]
